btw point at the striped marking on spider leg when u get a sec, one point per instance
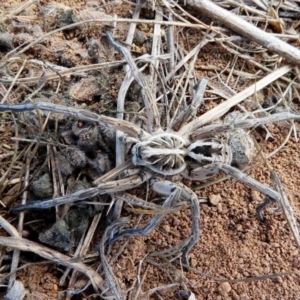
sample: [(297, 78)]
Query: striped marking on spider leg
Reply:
[(214, 129), (81, 114), (167, 187), (102, 188), (110, 277), (169, 203), (279, 196), (190, 110), (286, 207), (249, 181), (17, 107)]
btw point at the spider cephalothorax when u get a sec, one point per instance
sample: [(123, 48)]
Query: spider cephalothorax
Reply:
[(164, 153)]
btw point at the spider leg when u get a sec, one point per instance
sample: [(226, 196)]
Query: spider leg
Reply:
[(153, 115), (169, 203), (174, 192), (190, 110), (215, 129), (165, 188), (201, 173), (81, 114), (102, 188), (249, 181), (262, 207)]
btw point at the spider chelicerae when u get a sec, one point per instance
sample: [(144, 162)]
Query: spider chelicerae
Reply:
[(187, 147)]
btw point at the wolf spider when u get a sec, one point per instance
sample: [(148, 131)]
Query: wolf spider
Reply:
[(190, 149)]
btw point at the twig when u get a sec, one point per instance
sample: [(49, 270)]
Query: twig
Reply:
[(17, 242), (222, 108), (16, 253), (237, 24)]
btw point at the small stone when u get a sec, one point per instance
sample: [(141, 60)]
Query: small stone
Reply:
[(193, 262), (85, 89), (214, 199), (167, 228), (219, 207), (140, 37), (159, 242), (150, 248), (43, 187), (224, 288), (277, 279)]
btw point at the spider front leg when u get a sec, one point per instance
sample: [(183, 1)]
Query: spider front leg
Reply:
[(174, 193), (102, 188)]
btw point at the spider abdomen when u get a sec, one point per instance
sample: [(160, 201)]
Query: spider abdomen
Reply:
[(210, 151)]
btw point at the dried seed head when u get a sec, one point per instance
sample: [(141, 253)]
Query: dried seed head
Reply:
[(77, 128), (88, 139), (76, 157), (107, 137), (55, 13), (64, 166), (58, 236), (77, 220), (67, 137), (140, 37), (99, 166), (93, 48), (43, 187), (30, 121), (77, 185)]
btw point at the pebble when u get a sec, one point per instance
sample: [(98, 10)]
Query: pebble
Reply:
[(214, 199), (224, 288), (167, 228), (193, 262), (140, 37)]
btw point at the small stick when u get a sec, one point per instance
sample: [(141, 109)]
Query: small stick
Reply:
[(16, 253), (14, 81), (102, 188), (50, 254), (253, 33), (222, 108)]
